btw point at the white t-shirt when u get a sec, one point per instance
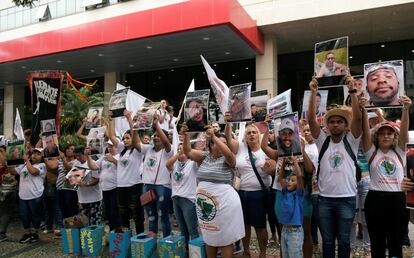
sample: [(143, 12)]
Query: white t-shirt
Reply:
[(248, 179), (166, 116), (153, 162), (313, 154), (89, 194), (184, 179), (31, 186), (108, 174), (386, 171), (128, 167), (337, 169)]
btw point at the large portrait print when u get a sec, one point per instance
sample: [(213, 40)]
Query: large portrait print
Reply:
[(384, 83), (331, 62)]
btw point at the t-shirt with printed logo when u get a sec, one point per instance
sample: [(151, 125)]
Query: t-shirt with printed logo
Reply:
[(107, 173), (337, 169), (128, 167), (155, 161), (386, 170), (31, 186)]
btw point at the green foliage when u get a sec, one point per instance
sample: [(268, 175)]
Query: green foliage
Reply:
[(65, 140), (74, 110)]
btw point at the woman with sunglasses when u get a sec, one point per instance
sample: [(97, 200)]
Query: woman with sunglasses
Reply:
[(385, 152), (218, 206)]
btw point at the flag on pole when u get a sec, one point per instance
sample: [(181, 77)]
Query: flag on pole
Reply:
[(18, 129), (133, 102), (220, 89)]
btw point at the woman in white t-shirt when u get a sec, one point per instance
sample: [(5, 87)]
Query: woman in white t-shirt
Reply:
[(107, 167), (32, 175), (156, 176), (252, 195), (129, 184), (385, 211), (184, 184)]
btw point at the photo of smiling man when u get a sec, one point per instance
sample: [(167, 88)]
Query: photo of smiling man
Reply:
[(384, 83)]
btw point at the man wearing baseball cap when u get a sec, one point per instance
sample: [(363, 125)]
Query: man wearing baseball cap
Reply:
[(337, 170), (286, 139), (382, 85)]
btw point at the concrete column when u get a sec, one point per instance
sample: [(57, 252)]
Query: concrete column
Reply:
[(13, 98), (266, 67)]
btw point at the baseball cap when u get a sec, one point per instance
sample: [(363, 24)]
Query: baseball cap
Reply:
[(37, 149), (394, 126), (286, 123)]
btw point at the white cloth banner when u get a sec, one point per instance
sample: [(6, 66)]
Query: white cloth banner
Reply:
[(133, 102), (220, 89), (18, 129)]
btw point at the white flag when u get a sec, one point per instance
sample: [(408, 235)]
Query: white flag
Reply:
[(220, 89), (18, 129), (133, 102)]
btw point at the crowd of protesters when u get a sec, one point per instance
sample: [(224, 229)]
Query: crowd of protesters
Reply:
[(349, 178)]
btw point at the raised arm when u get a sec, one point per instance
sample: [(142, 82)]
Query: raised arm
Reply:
[(229, 156), (271, 153), (191, 153), (405, 121), (136, 141), (313, 122), (281, 174), (111, 132), (366, 133), (91, 163), (356, 128), (163, 137), (298, 172), (79, 133), (233, 143), (171, 161), (32, 170)]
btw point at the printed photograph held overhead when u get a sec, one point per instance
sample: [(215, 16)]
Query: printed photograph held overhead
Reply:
[(258, 103), (279, 105), (196, 110), (145, 115), (359, 85), (93, 118), (321, 103), (14, 152), (331, 62), (48, 125), (384, 83), (286, 129), (50, 145), (97, 132), (117, 103), (239, 102)]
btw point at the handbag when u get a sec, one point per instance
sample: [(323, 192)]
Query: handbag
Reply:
[(150, 196)]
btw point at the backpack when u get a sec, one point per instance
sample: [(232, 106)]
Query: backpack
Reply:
[(348, 149)]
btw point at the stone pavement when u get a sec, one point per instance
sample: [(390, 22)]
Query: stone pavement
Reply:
[(50, 246)]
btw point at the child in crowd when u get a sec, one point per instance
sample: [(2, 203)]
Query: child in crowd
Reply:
[(291, 213)]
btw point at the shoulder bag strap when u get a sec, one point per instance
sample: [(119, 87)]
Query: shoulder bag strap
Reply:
[(324, 147), (353, 157), (255, 170), (158, 169)]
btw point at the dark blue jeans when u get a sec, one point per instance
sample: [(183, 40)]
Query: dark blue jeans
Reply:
[(185, 212), (68, 202), (160, 208), (336, 216), (53, 213), (315, 219), (110, 201), (30, 213)]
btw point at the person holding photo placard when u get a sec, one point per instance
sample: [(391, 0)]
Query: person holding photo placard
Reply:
[(337, 171), (385, 152)]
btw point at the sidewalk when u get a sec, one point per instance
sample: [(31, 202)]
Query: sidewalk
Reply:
[(49, 246)]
